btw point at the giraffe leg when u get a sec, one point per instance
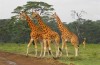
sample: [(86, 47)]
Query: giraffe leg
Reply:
[(63, 46), (76, 50), (30, 42), (75, 44), (49, 47), (57, 48), (66, 48), (35, 41), (44, 41), (41, 49)]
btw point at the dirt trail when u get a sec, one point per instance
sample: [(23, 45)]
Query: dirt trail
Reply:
[(16, 59)]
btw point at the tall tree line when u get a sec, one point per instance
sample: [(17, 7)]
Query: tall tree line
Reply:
[(18, 31)]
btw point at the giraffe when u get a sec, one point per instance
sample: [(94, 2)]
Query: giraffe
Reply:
[(36, 33), (84, 42), (66, 35), (49, 35)]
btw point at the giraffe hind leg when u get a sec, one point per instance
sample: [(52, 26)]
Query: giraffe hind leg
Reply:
[(35, 42), (41, 49)]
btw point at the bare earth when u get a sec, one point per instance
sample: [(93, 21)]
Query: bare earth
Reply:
[(16, 59)]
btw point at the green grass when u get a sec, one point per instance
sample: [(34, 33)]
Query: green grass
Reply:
[(88, 56)]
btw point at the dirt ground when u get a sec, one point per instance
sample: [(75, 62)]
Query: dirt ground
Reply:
[(16, 59)]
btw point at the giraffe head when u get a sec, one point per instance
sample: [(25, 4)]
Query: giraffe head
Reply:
[(53, 15), (34, 14), (22, 15)]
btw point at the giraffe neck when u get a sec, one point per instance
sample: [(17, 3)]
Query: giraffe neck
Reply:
[(44, 27), (30, 23), (60, 24)]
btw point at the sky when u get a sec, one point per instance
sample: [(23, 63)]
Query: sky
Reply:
[(62, 7)]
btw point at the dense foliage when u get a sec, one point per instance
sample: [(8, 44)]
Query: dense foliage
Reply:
[(18, 31)]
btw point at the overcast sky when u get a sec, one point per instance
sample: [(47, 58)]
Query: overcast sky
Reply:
[(62, 8)]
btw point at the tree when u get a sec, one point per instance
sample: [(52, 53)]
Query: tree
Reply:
[(89, 29), (37, 6), (78, 15), (5, 35)]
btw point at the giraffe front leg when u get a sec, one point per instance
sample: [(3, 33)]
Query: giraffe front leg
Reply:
[(49, 47), (30, 42), (41, 49), (56, 46), (44, 51), (66, 48), (50, 52), (76, 50), (63, 45), (35, 51), (27, 50), (44, 41), (57, 49), (35, 41)]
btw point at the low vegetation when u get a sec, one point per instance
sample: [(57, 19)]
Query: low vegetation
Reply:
[(88, 56)]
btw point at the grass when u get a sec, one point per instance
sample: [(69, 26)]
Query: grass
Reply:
[(88, 56)]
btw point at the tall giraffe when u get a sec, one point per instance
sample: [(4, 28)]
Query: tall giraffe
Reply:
[(48, 35), (67, 35), (36, 33)]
